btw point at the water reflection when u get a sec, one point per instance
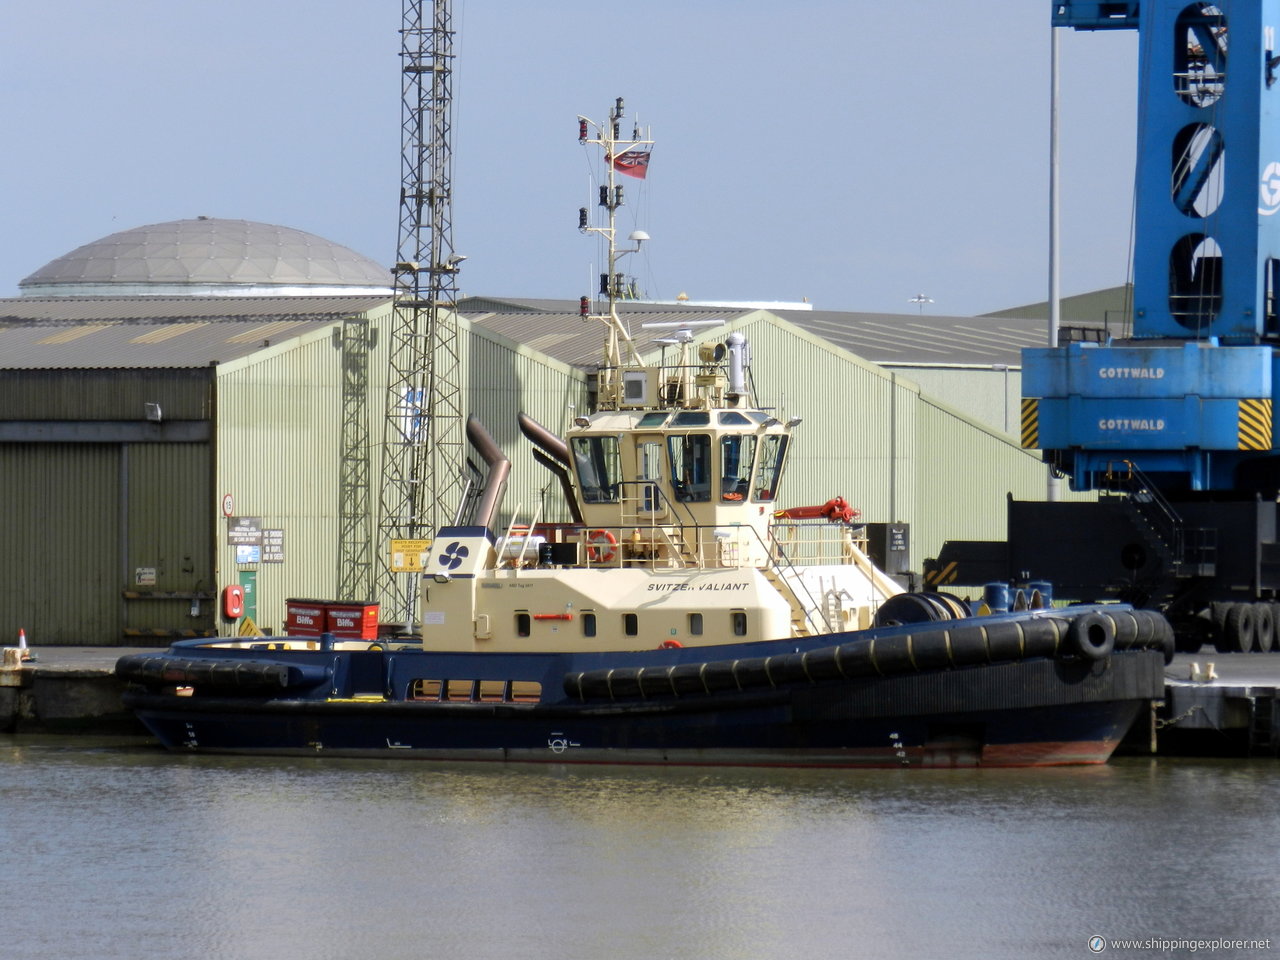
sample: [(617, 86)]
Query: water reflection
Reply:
[(129, 852)]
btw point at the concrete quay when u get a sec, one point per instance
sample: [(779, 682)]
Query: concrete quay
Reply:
[(1220, 704), (65, 690), (1215, 704)]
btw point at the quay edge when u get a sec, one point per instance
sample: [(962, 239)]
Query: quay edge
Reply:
[(69, 690)]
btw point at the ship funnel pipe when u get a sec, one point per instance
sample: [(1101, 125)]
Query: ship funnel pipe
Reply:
[(737, 363), (541, 437), (495, 481), (566, 483)]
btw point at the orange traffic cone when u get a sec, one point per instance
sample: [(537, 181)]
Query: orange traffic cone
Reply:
[(23, 652)]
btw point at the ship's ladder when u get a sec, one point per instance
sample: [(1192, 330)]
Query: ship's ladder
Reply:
[(800, 623), (1262, 727)]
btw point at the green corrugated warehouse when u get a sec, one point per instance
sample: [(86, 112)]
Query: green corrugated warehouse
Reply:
[(167, 391)]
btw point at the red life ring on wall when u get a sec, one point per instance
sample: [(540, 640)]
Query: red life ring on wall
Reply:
[(602, 546)]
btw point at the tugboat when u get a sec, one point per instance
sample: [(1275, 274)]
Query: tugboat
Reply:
[(682, 616)]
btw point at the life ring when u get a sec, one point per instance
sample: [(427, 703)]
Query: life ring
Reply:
[(670, 645), (1092, 636), (602, 546)]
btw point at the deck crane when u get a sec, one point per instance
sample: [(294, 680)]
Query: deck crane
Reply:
[(1173, 424), (422, 431)]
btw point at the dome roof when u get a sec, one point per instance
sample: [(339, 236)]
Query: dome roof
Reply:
[(208, 256)]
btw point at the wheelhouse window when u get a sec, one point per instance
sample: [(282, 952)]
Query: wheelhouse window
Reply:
[(691, 418), (773, 452), (737, 455), (630, 624), (599, 468), (695, 624), (738, 622), (690, 466)]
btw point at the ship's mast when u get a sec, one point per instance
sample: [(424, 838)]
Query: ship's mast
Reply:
[(631, 156)]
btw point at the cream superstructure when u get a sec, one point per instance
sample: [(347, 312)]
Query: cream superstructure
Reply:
[(673, 483)]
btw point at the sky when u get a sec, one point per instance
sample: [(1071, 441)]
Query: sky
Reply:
[(851, 152)]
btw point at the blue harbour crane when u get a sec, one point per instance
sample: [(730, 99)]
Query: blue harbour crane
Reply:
[(1187, 398), (1173, 423)]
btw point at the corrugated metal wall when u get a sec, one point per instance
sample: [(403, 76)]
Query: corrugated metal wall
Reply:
[(872, 436), (104, 394), (278, 441), (990, 395), (505, 378), (99, 537), (965, 475), (59, 569), (857, 435), (167, 572)]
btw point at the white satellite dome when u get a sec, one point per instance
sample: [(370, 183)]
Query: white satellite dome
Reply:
[(211, 257)]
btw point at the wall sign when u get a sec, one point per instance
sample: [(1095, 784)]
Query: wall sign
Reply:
[(273, 546), (244, 531)]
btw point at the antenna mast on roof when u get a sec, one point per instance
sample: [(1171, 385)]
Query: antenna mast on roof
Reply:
[(422, 432)]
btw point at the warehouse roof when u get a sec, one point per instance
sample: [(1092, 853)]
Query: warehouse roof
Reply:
[(577, 340), (131, 332), (904, 338), (549, 326), (137, 332)]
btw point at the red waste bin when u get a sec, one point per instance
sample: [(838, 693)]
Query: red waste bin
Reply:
[(304, 618), (352, 621)]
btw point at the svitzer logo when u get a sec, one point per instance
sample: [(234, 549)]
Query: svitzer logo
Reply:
[(453, 556)]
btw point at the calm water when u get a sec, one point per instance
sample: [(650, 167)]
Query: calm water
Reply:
[(114, 850)]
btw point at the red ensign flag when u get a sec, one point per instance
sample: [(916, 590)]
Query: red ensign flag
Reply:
[(634, 163)]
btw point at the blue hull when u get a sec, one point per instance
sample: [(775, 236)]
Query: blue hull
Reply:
[(794, 703)]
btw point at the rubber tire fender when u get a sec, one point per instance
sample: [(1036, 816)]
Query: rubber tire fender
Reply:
[(1092, 636), (1127, 628), (1168, 641)]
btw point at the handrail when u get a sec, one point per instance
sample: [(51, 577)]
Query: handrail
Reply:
[(777, 556), (651, 488), (1151, 504)]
